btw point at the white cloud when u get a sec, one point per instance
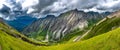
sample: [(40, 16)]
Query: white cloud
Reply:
[(30, 10), (100, 6), (29, 3), (41, 8)]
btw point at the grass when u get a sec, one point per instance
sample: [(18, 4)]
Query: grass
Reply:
[(106, 41), (106, 25), (10, 31), (11, 39), (10, 43)]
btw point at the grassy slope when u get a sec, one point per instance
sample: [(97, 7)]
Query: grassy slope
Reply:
[(10, 38), (105, 25), (10, 43), (9, 30), (106, 41)]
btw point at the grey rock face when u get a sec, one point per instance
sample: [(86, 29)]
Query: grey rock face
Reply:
[(55, 28)]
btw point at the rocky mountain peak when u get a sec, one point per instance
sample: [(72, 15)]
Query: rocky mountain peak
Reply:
[(53, 28)]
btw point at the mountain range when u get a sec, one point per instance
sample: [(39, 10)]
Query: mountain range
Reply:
[(83, 31), (53, 28)]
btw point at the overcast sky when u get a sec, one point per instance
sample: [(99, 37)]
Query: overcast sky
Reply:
[(41, 8)]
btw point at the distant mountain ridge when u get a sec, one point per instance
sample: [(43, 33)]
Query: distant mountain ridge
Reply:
[(53, 28), (21, 22)]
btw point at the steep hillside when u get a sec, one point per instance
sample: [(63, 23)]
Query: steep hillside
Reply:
[(54, 28), (107, 24), (8, 42), (6, 30), (106, 41)]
